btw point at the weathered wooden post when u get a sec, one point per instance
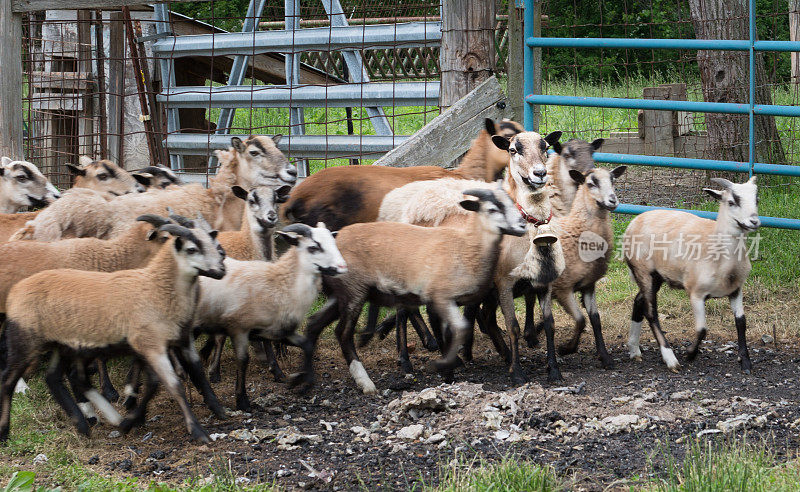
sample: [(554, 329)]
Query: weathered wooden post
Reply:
[(10, 82), (514, 69), (467, 55)]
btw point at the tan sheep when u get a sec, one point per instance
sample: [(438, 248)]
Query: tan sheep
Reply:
[(575, 154)]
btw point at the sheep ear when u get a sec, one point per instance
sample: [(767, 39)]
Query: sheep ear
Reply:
[(491, 127), (277, 138), (282, 194), (239, 192), (753, 179), (557, 148), (552, 138), (5, 161), (618, 171), (290, 237), (501, 142), (75, 170), (716, 195), (84, 160), (577, 176), (213, 234), (597, 143), (722, 182), (142, 178), (471, 205), (237, 144)]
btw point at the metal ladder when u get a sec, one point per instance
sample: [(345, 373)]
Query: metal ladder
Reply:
[(340, 36)]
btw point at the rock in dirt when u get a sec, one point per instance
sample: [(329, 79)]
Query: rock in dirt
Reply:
[(617, 424), (682, 395), (575, 390), (242, 435), (744, 421), (290, 437), (428, 399), (40, 459), (114, 434), (218, 435), (411, 432)]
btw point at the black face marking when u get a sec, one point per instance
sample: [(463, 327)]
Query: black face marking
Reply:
[(520, 148), (735, 198), (24, 169), (543, 145), (111, 171), (257, 143)]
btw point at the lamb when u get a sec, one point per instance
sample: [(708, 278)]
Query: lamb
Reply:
[(76, 315), (537, 258), (254, 162), (253, 242), (587, 239), (575, 154), (104, 176), (158, 177), (706, 258), (394, 264), (268, 300), (23, 185), (344, 195)]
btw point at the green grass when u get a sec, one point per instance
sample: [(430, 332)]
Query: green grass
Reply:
[(711, 466), (509, 474)]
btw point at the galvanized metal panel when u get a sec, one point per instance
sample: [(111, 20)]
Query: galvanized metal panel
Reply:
[(403, 35), (282, 96), (308, 146)]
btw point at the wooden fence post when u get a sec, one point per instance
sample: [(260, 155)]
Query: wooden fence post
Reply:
[(11, 82), (794, 35), (116, 87), (514, 66), (467, 55)]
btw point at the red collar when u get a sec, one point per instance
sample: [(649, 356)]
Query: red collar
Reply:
[(531, 219)]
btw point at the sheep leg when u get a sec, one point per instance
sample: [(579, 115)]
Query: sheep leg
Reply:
[(270, 359), (77, 372), (424, 333), (240, 345), (216, 358), (345, 330), (106, 386), (488, 317), (698, 303), (316, 323), (436, 327), (137, 413), (471, 314), (737, 306), (546, 305), (189, 359), (22, 386), (132, 384), (54, 377), (366, 335), (83, 390), (402, 342), (590, 304), (635, 331), (529, 333), (512, 327), (650, 294), (455, 331), (567, 300)]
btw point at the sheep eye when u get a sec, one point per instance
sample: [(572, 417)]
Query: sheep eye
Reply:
[(102, 177), (731, 203), (191, 250), (589, 184), (314, 249), (512, 150), (254, 153), (22, 179)]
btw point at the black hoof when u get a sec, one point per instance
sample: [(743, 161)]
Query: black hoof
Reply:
[(692, 354), (277, 374), (567, 348), (518, 378), (554, 375), (365, 338), (431, 345), (243, 404), (129, 423), (199, 434), (82, 428), (607, 363), (746, 366), (92, 421), (302, 381), (129, 403), (111, 395), (405, 364), (447, 375)]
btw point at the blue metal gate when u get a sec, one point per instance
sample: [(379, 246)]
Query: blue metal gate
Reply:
[(751, 109)]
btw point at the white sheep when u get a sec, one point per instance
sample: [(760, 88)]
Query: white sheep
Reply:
[(707, 258), (23, 185)]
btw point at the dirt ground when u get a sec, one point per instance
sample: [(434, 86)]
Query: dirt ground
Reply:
[(598, 428)]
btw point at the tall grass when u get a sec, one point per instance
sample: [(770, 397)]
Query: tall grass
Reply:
[(509, 474)]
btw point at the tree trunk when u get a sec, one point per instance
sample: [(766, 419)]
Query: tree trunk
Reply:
[(725, 76), (467, 55)]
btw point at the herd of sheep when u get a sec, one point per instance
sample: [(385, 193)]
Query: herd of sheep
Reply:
[(138, 265)]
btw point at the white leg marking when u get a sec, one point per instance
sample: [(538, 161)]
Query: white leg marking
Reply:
[(699, 310), (634, 335), (362, 378), (129, 392), (590, 303), (669, 357), (21, 387), (104, 407), (87, 410), (737, 304)]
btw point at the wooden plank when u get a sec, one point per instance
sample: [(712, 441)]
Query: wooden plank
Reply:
[(65, 81), (794, 35), (55, 101), (450, 134), (682, 121), (690, 146), (514, 68), (34, 5), (116, 85), (657, 124), (466, 57), (10, 83)]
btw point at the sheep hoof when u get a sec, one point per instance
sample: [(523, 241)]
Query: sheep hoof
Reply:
[(518, 378), (566, 349), (199, 434), (637, 358), (302, 380), (676, 368), (554, 375), (405, 364), (129, 403), (92, 421), (431, 345), (128, 423), (607, 363)]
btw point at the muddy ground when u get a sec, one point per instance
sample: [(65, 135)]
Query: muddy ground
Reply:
[(597, 428)]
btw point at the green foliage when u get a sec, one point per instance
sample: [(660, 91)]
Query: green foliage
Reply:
[(509, 474)]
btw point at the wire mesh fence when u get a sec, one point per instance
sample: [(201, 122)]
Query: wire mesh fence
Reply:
[(715, 76)]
